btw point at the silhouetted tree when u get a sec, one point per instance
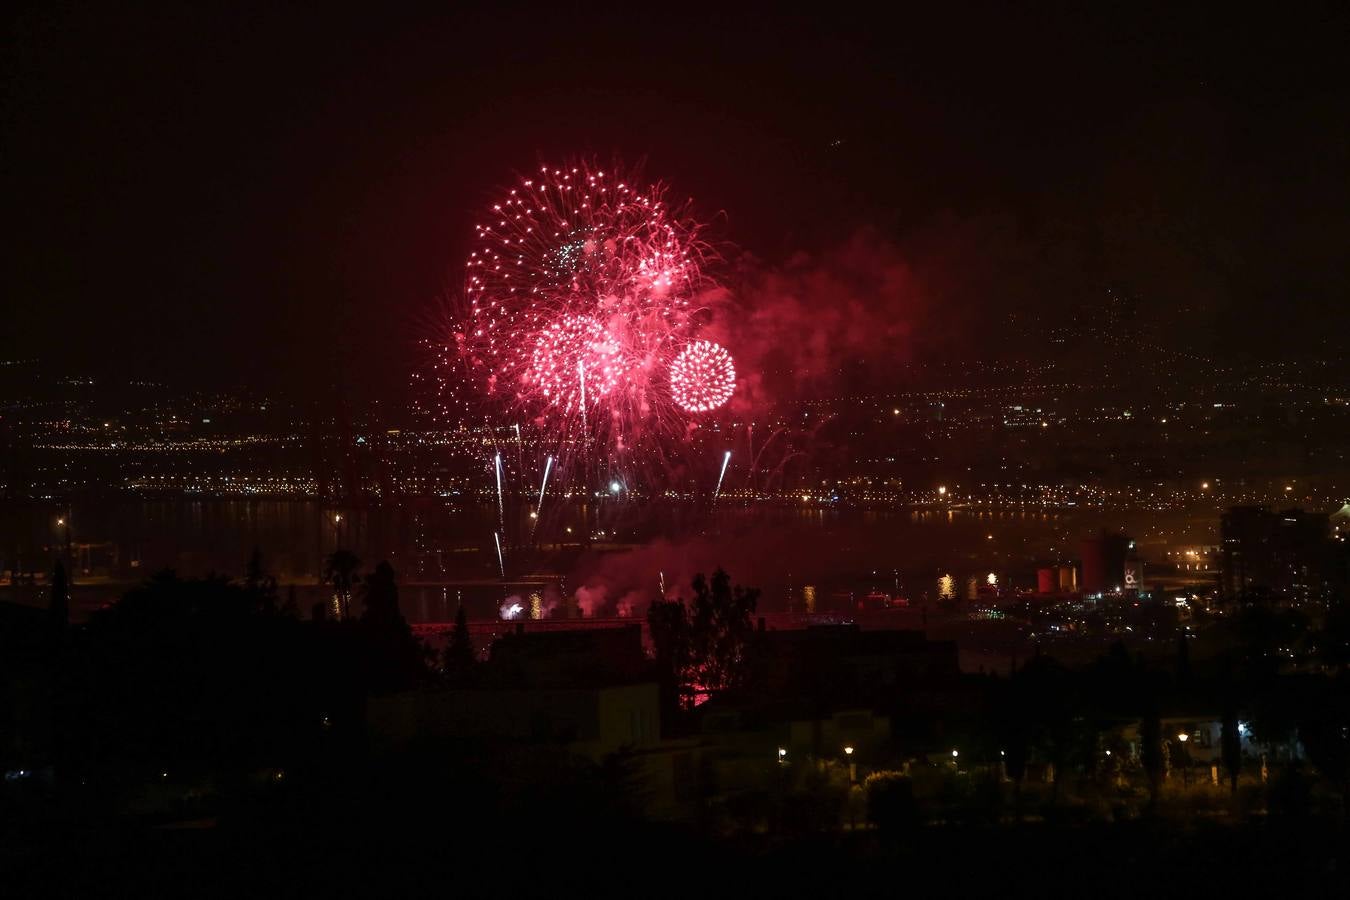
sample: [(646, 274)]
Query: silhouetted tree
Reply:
[(890, 802), (1230, 745), (704, 645), (1151, 749), (721, 629), (1324, 731), (1183, 661), (668, 623), (340, 570), (59, 602), (381, 597), (458, 657), (1009, 711), (188, 675), (1333, 641), (1047, 704), (259, 584), (394, 657), (1274, 716), (1269, 637)]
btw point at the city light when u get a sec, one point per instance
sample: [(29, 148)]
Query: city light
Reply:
[(848, 751)]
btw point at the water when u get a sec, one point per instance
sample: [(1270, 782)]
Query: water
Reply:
[(445, 552)]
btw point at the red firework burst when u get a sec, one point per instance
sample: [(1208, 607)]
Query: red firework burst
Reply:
[(575, 360), (702, 377)]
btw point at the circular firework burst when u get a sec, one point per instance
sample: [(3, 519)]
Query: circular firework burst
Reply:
[(574, 358), (702, 377)]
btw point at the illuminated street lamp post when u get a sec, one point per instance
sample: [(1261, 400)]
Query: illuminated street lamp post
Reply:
[(63, 522), (852, 788), (1185, 759)]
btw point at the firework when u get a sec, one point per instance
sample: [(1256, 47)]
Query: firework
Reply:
[(702, 377), (582, 289), (543, 485), (501, 507), (726, 458)]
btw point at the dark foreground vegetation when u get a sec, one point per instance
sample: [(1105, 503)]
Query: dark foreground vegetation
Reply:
[(201, 738)]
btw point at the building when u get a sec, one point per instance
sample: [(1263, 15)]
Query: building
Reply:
[(847, 661), (592, 722), (568, 658), (1287, 556), (1104, 558), (587, 692)]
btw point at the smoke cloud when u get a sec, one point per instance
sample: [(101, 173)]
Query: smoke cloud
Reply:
[(822, 324)]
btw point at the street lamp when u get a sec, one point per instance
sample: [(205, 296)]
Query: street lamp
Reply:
[(852, 766), (782, 754), (64, 525), (1183, 737)]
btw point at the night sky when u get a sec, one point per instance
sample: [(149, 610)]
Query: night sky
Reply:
[(227, 197)]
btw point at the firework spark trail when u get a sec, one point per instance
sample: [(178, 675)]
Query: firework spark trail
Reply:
[(539, 507), (754, 465), (725, 459), (585, 432), (501, 506), (543, 485), (501, 562)]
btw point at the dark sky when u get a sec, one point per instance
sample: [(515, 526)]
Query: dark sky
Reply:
[(228, 197)]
